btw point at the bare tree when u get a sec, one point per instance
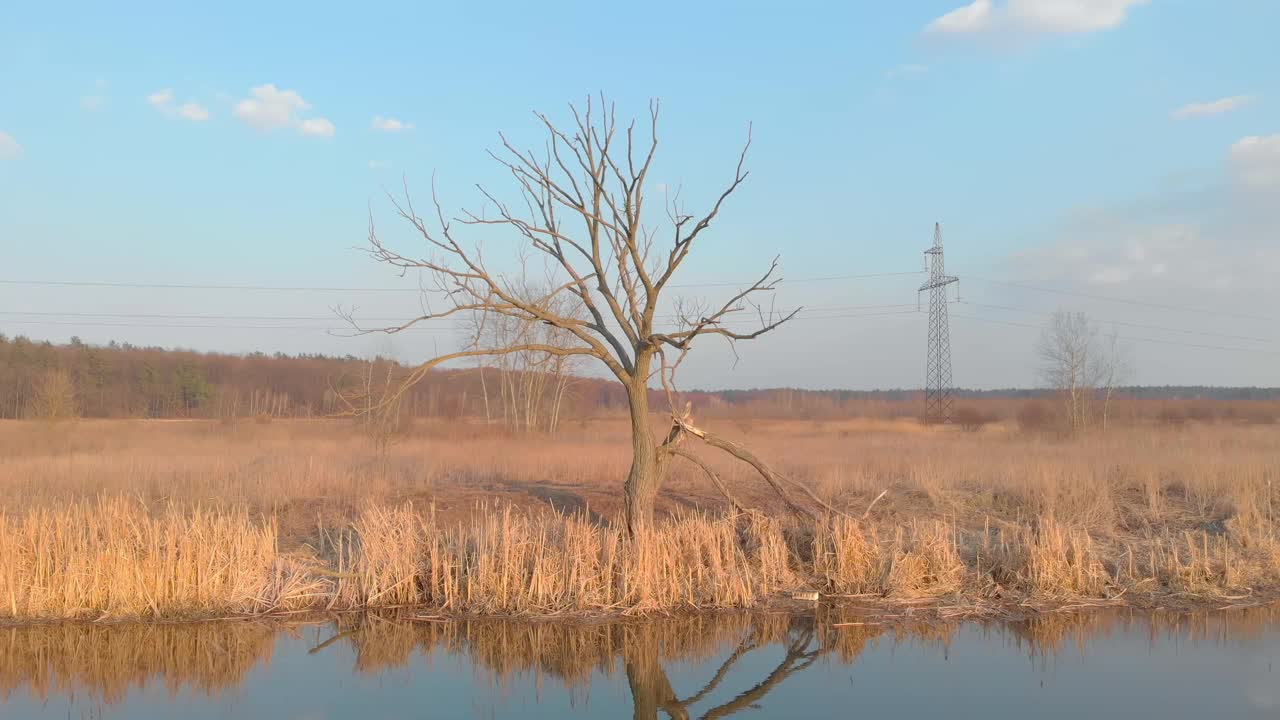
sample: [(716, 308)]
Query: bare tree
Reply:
[(54, 397), (583, 209), (374, 399), (531, 384), (1082, 366), (1066, 350), (1113, 367), (651, 688)]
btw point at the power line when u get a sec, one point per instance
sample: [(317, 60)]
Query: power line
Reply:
[(166, 316), (1125, 301), (845, 316), (192, 326), (826, 278), (297, 288), (317, 318), (197, 286), (165, 326), (814, 313), (1126, 323), (347, 329), (813, 279), (1133, 339)]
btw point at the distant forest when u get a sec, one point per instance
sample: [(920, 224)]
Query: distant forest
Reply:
[(123, 380)]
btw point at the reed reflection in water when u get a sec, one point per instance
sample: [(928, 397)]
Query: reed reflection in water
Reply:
[(705, 666)]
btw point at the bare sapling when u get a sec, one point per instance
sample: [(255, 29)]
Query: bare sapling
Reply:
[(1114, 367), (1082, 367), (375, 402), (531, 385), (54, 398)]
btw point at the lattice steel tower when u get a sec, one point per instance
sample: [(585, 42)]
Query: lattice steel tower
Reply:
[(937, 384)]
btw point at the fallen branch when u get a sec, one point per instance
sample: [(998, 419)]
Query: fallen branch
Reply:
[(715, 478), (770, 476), (873, 503)]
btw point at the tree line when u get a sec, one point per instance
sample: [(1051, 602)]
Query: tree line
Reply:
[(120, 380)]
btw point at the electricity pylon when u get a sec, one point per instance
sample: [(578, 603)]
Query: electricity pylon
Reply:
[(937, 385)]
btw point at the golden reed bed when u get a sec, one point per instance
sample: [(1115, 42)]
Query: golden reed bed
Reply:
[(112, 520)]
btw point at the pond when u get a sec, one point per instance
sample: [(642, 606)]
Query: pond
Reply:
[(708, 666)]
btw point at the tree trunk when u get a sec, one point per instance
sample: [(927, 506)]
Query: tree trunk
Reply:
[(643, 480), (651, 689), (562, 381)]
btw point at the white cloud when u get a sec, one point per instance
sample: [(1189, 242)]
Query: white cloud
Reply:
[(193, 111), (971, 18), (390, 124), (906, 70), (270, 108), (1108, 250), (161, 99), (316, 127), (377, 164), (1034, 17), (9, 148), (1215, 107), (1071, 16), (1215, 244), (1208, 245), (1256, 161)]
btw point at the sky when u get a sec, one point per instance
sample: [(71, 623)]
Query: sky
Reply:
[(1114, 157)]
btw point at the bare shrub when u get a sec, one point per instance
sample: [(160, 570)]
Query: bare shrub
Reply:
[(1201, 412), (376, 403), (1172, 417), (970, 419), (54, 398), (1035, 416), (1258, 414)]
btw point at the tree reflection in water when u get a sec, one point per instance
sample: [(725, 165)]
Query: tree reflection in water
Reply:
[(651, 690), (105, 662)]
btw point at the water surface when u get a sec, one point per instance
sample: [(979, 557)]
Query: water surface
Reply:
[(770, 666)]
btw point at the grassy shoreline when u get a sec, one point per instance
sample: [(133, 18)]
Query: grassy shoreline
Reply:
[(119, 519), (115, 559)]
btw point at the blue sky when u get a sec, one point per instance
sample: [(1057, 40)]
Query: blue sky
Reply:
[(1119, 148)]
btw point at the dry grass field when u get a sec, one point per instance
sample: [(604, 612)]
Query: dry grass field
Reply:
[(112, 519)]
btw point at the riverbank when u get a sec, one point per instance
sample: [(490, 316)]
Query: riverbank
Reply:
[(120, 519), (113, 559)]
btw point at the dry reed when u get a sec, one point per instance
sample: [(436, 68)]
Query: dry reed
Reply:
[(103, 520)]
